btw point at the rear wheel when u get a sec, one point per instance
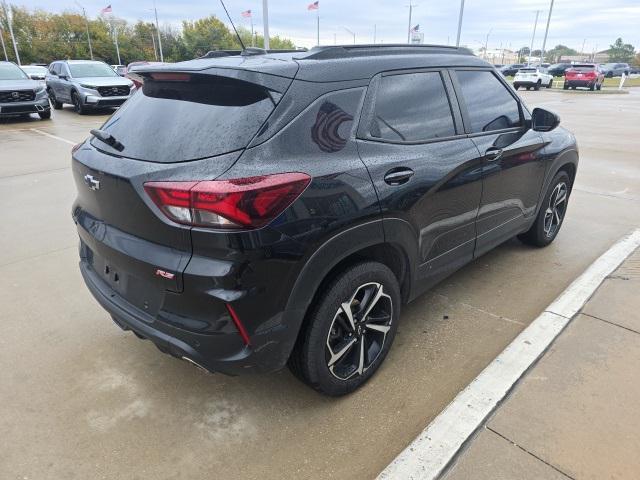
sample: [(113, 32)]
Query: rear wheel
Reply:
[(551, 214), (592, 87), (516, 87), (537, 86), (349, 331), (565, 86), (599, 86)]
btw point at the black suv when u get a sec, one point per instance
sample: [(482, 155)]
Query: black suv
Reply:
[(248, 212)]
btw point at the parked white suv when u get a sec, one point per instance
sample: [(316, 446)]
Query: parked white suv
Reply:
[(535, 77)]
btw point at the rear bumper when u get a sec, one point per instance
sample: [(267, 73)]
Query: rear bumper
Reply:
[(525, 83), (201, 349), (580, 83), (20, 108)]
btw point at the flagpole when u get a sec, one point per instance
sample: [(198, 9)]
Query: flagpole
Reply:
[(252, 36), (318, 23), (115, 38), (265, 22), (9, 16), (460, 22), (86, 21)]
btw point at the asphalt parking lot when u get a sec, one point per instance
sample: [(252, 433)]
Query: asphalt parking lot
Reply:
[(82, 399)]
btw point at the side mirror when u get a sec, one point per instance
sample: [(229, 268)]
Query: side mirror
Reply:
[(63, 77), (543, 120)]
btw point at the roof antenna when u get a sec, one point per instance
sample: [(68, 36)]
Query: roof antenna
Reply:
[(234, 27)]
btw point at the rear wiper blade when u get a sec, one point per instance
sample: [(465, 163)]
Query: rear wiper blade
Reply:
[(107, 138)]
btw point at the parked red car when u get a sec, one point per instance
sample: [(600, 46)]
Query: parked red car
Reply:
[(586, 75)]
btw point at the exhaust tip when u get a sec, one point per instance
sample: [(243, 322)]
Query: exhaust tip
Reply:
[(195, 364)]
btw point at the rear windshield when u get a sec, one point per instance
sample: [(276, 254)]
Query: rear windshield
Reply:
[(527, 70), (178, 117), (583, 68)]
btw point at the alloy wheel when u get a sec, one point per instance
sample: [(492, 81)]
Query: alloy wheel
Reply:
[(358, 331), (555, 209)]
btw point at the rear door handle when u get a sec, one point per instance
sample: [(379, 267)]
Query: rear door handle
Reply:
[(398, 176), (493, 154)]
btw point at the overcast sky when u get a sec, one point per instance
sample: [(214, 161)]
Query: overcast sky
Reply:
[(596, 22)]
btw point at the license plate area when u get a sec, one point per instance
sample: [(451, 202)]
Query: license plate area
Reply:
[(140, 293)]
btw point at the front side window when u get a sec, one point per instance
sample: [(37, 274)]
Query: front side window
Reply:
[(412, 107), (489, 104)]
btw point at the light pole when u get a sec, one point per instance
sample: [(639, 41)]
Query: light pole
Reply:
[(158, 32), (460, 22), (354, 35), (535, 26), (265, 23), (86, 22), (411, 5), (486, 43), (546, 31)]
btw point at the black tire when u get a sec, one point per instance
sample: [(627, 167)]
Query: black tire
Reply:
[(55, 103), (565, 86), (328, 322), (537, 85), (573, 88), (599, 86), (77, 104), (516, 87), (46, 115), (592, 87), (528, 88), (542, 233), (609, 75), (550, 83)]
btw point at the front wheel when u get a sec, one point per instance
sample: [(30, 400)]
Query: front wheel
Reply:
[(349, 331), (45, 115), (54, 102), (552, 212), (550, 83), (77, 104)]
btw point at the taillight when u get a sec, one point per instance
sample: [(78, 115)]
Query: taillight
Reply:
[(244, 203)]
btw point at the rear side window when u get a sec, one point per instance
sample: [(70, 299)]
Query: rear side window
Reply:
[(177, 117), (489, 104), (412, 107)]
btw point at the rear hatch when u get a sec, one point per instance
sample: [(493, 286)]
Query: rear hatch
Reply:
[(181, 126)]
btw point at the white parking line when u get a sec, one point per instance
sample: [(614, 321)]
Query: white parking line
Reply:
[(432, 451), (52, 136)]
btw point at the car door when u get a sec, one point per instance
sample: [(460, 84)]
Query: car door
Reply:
[(426, 172), (52, 78), (513, 162), (64, 79)]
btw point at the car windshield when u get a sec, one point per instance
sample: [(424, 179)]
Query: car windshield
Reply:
[(9, 71), (34, 70), (81, 70), (609, 65)]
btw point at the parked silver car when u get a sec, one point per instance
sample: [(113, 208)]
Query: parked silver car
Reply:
[(19, 95), (615, 69), (86, 84)]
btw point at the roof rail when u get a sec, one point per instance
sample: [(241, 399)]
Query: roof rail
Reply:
[(370, 50)]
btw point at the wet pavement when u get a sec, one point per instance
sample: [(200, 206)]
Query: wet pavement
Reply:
[(82, 399)]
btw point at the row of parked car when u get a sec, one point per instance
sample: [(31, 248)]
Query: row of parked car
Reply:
[(583, 75), (609, 70), (85, 84)]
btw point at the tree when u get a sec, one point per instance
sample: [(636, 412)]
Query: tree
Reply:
[(556, 53), (621, 52)]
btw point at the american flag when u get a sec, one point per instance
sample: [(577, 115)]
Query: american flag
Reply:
[(314, 6), (246, 14), (106, 9), (416, 28)]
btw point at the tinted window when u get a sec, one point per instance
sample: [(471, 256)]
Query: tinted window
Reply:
[(412, 107), (188, 117), (489, 103)]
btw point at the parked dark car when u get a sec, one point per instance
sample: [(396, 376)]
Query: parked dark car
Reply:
[(248, 212), (510, 70), (87, 85), (20, 95), (558, 69), (615, 69)]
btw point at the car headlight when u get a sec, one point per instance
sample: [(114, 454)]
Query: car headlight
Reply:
[(40, 90), (85, 85)]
